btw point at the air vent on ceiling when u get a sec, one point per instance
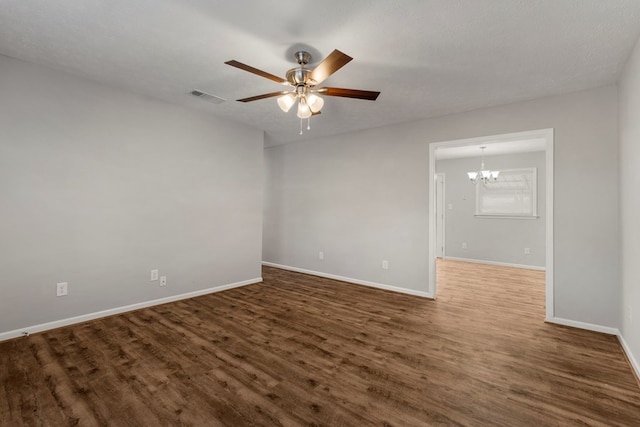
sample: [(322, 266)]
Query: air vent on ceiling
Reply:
[(208, 97)]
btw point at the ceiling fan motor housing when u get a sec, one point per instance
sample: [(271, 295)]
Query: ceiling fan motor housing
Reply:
[(298, 76)]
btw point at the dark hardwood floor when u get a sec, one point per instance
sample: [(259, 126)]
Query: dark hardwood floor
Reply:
[(298, 350)]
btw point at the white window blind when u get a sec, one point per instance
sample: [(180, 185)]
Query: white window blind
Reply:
[(514, 194)]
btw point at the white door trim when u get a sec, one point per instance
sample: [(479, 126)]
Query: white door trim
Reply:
[(548, 135), (440, 233)]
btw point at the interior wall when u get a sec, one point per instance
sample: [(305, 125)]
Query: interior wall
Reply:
[(499, 240), (100, 186), (348, 198), (630, 205), (363, 197)]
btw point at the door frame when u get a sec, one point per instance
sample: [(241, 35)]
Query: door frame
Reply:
[(443, 208), (548, 136)]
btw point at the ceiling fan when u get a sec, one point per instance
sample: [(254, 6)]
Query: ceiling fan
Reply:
[(303, 84)]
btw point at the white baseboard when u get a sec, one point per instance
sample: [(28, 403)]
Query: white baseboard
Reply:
[(110, 312), (583, 325), (503, 264), (632, 360), (350, 280), (606, 330)]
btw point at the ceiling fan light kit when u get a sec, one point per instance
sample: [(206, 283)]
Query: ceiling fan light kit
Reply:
[(304, 112), (286, 102), (303, 84), (315, 103)]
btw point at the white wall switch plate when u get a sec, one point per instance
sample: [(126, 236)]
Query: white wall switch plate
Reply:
[(61, 289), (385, 264), (320, 255), (464, 245), (163, 280), (527, 251), (154, 275)]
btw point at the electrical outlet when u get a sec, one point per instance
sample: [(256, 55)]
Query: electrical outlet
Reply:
[(61, 289), (527, 251), (163, 280), (154, 275), (385, 264), (629, 313), (464, 245), (320, 255)]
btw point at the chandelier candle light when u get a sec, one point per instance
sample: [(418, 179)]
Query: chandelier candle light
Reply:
[(483, 175)]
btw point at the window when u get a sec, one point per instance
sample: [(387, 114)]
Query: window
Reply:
[(514, 194)]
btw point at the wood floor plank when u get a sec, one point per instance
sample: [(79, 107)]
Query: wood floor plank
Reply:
[(298, 350)]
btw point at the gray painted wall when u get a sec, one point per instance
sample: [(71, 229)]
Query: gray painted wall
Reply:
[(99, 186), (349, 198), (491, 239), (630, 203), (363, 197)]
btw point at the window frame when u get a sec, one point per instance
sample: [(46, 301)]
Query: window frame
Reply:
[(530, 175)]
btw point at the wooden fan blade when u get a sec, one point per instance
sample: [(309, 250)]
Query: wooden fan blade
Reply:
[(263, 96), (328, 66), (253, 70), (316, 113), (349, 93)]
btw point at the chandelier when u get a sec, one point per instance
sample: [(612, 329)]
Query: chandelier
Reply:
[(483, 175)]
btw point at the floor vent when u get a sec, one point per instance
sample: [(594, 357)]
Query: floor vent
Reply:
[(208, 97)]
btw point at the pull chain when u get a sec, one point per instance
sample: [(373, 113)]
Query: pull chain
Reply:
[(309, 123), (300, 126)]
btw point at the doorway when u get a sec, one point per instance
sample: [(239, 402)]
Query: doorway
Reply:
[(542, 136)]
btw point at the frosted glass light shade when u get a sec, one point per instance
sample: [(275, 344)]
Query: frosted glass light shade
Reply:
[(315, 103), (304, 112), (494, 175), (285, 102), (472, 175)]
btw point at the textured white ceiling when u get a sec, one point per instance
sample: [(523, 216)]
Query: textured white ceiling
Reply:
[(427, 57)]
